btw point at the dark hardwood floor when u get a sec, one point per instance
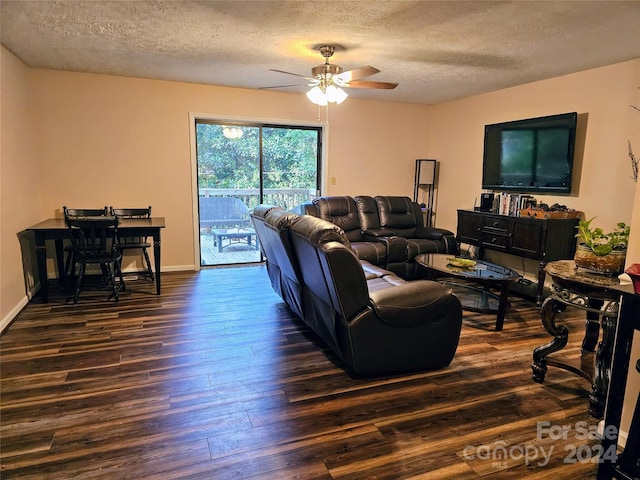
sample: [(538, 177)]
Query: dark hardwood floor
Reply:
[(216, 379)]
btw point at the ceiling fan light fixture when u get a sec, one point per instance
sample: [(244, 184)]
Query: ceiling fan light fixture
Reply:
[(323, 95), (317, 96), (328, 80), (335, 94)]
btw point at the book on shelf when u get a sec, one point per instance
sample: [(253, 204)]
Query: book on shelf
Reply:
[(512, 203)]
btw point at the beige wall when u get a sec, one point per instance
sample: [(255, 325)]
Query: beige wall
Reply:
[(373, 147), (94, 140), (603, 189), (20, 199), (106, 140)]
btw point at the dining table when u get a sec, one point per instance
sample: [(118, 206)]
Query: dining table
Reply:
[(56, 229)]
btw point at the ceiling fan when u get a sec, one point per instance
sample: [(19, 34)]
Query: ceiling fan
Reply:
[(327, 80)]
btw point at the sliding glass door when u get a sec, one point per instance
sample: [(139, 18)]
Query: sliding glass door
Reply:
[(241, 166)]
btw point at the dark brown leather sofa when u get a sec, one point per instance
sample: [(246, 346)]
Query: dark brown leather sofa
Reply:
[(387, 231), (272, 228), (373, 320)]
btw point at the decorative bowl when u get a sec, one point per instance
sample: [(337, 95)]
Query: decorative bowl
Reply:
[(462, 262), (611, 264)]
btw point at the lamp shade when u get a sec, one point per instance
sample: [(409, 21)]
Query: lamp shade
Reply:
[(321, 95), (427, 169), (317, 96), (335, 94)]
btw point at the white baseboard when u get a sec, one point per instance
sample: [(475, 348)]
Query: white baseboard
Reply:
[(4, 323), (180, 268), (622, 434)]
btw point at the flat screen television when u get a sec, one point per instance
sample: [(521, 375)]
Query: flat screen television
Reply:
[(531, 155)]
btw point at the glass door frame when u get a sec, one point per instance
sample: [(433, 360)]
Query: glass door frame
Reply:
[(249, 121)]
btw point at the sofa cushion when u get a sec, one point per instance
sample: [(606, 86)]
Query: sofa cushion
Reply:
[(398, 308), (344, 212), (398, 214), (368, 212), (341, 211)]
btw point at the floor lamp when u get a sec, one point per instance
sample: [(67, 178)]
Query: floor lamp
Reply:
[(425, 180)]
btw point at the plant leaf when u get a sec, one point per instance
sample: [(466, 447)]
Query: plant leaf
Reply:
[(601, 250)]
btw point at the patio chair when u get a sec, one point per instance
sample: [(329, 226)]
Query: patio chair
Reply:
[(223, 212)]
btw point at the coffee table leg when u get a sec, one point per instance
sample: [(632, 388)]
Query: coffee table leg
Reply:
[(502, 306)]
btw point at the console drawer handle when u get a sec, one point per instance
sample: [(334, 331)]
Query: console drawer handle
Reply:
[(495, 224)]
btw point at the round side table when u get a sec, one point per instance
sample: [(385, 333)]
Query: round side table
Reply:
[(599, 297)]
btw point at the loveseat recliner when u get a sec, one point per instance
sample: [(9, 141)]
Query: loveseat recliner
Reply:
[(373, 320), (387, 231)]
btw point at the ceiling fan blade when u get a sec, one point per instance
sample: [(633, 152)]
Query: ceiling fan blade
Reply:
[(365, 84), (356, 73), (289, 73), (285, 86)]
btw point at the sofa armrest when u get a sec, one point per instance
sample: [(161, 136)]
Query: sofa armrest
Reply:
[(412, 303), (372, 234), (396, 246), (432, 233), (446, 236)]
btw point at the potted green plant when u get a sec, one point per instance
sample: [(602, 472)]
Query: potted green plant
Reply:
[(599, 251)]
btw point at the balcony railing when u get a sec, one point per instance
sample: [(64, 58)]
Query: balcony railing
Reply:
[(213, 254), (286, 198)]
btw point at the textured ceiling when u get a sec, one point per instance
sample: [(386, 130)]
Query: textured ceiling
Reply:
[(435, 50)]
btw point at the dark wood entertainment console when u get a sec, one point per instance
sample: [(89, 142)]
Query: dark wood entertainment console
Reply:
[(544, 240)]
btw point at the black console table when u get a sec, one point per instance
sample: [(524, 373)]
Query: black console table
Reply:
[(540, 239)]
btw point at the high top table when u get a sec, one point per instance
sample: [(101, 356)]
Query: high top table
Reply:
[(55, 229)]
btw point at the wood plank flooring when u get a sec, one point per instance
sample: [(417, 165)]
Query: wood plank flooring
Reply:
[(216, 379)]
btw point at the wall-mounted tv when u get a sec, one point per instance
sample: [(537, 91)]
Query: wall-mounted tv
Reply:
[(532, 155)]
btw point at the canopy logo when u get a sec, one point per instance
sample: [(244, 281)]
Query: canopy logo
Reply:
[(534, 453)]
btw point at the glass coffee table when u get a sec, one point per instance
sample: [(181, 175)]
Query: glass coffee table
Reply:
[(484, 274)]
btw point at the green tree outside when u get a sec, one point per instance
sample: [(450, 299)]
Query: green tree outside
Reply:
[(290, 157)]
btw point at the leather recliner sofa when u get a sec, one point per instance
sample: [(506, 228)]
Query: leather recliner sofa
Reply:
[(373, 320), (387, 231), (272, 228)]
